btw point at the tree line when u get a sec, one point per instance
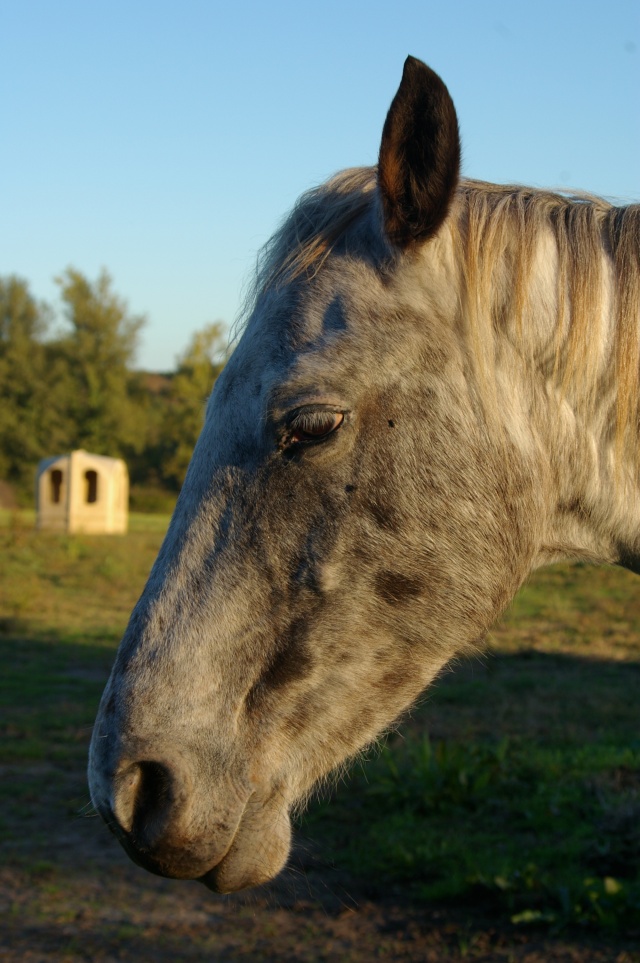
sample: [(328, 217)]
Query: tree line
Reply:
[(75, 386)]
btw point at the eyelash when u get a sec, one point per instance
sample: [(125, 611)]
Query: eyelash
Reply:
[(307, 427)]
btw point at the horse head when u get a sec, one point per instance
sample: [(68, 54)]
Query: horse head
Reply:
[(351, 518)]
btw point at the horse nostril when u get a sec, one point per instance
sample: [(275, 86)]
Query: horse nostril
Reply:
[(154, 798), (143, 799)]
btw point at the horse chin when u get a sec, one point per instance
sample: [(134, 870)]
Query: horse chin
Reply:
[(258, 852)]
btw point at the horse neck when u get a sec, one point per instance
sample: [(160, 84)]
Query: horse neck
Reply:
[(565, 372)]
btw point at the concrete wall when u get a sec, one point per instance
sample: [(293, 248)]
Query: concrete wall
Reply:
[(81, 492)]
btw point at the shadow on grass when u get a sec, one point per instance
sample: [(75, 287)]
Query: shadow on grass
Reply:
[(516, 784), (514, 791)]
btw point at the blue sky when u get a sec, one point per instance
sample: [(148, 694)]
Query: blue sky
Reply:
[(165, 140)]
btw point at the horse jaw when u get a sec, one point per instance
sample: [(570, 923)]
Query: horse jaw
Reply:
[(259, 849)]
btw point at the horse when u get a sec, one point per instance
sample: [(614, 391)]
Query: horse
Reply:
[(434, 392)]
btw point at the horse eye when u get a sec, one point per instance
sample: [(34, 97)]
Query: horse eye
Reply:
[(314, 425)]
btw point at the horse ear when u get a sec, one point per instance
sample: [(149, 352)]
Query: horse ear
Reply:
[(419, 160)]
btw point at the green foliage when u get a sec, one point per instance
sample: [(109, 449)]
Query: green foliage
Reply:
[(537, 830), (151, 499), (197, 370), (23, 393), (173, 414), (95, 355), (77, 388)]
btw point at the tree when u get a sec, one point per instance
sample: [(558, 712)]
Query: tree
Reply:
[(23, 382), (190, 387), (97, 352)]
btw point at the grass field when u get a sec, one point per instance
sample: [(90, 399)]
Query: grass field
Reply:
[(508, 803)]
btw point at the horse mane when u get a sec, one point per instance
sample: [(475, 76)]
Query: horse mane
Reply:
[(499, 223), (492, 225)]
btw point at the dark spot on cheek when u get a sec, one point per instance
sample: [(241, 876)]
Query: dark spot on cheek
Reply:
[(385, 516), (306, 577), (288, 664), (395, 588), (350, 488), (290, 661), (391, 423), (334, 317), (394, 680)]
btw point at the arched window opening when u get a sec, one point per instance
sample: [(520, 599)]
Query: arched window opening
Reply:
[(56, 485), (91, 478)]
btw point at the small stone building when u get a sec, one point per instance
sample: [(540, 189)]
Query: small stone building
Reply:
[(81, 492)]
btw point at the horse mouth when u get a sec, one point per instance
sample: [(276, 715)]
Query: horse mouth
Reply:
[(226, 859), (258, 850)]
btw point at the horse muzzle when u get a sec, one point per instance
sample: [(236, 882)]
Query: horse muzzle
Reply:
[(177, 826)]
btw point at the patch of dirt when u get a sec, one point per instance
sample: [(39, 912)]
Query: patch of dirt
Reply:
[(84, 901)]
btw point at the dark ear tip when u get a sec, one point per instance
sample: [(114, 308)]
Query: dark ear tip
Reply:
[(412, 63), (412, 69), (415, 69)]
